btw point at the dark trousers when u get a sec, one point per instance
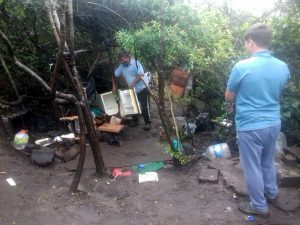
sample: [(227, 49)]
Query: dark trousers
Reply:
[(143, 97)]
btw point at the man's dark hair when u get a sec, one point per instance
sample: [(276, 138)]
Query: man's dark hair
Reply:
[(123, 53), (260, 33)]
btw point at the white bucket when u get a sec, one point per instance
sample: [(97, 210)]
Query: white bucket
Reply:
[(218, 151)]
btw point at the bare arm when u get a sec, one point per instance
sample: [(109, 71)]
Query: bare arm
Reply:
[(229, 96), (138, 77)]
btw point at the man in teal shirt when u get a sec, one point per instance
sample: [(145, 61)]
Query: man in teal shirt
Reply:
[(255, 86)]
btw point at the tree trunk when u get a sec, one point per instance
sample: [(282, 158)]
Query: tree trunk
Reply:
[(91, 132), (161, 63), (80, 163)]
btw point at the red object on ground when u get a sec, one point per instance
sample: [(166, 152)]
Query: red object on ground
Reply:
[(120, 172)]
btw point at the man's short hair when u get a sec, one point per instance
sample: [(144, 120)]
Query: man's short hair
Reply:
[(260, 33), (123, 53)]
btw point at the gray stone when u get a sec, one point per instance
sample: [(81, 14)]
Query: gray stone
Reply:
[(231, 172), (288, 176), (295, 151), (71, 153), (209, 175), (288, 199), (290, 160), (221, 164)]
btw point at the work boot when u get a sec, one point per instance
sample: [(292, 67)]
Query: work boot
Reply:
[(147, 126), (245, 207), (272, 200)]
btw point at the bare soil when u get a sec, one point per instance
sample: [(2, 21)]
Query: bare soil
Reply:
[(41, 196)]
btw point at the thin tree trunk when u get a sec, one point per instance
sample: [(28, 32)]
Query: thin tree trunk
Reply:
[(91, 132), (11, 80), (2, 130), (80, 163), (161, 73), (93, 140)]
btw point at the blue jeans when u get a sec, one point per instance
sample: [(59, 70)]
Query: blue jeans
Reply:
[(257, 156)]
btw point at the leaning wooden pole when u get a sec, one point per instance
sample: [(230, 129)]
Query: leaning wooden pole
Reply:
[(91, 132), (80, 163)]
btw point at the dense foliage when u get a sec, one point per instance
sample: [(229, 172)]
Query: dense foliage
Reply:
[(206, 41)]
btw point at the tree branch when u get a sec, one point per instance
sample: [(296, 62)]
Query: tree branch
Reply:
[(19, 101), (52, 23)]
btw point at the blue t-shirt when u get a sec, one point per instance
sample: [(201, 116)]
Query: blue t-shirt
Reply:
[(258, 83), (130, 72)]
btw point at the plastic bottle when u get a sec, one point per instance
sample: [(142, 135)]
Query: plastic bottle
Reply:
[(21, 140), (250, 218), (218, 151)]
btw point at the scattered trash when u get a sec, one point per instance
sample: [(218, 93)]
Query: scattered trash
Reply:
[(141, 166), (175, 145), (121, 172), (180, 121), (218, 151), (3, 173), (109, 182), (228, 209), (189, 128), (57, 139), (202, 122), (11, 181), (148, 167), (21, 140), (68, 136), (250, 218), (148, 176), (43, 156), (28, 149), (115, 120), (44, 142), (234, 195), (225, 123)]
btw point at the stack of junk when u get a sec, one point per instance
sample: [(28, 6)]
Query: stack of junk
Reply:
[(111, 113)]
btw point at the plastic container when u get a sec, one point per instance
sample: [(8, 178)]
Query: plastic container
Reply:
[(218, 151), (281, 143), (21, 140), (181, 122), (250, 218), (44, 142)]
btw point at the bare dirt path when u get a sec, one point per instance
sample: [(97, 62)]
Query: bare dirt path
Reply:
[(41, 197)]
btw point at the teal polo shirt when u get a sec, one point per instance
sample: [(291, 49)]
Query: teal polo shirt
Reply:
[(130, 72), (258, 83)]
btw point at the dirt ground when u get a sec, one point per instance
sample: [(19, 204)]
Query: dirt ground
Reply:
[(41, 196)]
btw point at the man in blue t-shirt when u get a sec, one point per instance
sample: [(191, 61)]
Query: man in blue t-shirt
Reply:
[(132, 71), (255, 85)]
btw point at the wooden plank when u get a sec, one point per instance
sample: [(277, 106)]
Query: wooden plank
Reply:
[(112, 128), (68, 118)]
